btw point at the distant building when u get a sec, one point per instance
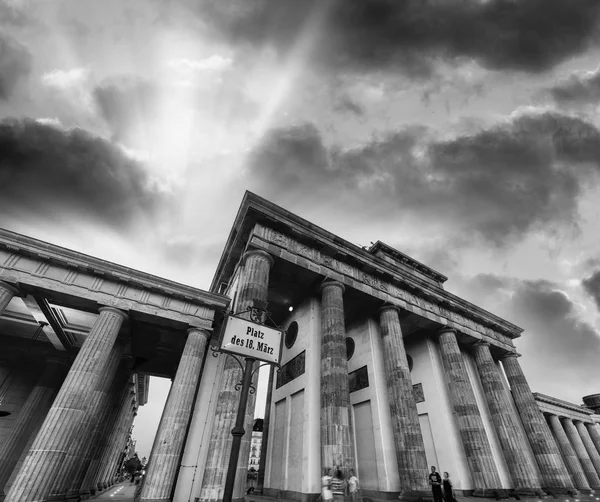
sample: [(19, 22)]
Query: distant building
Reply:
[(255, 444)]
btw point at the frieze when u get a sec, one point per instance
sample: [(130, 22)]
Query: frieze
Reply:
[(320, 262)]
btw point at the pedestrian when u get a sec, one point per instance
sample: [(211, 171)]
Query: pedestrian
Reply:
[(435, 480), (338, 486), (447, 484), (326, 484), (352, 486)]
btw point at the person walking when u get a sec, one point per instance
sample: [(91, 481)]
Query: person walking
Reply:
[(352, 486), (447, 484), (326, 485), (338, 486), (435, 480)]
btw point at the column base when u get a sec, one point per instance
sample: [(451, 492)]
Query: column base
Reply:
[(586, 491), (527, 492), (415, 495), (73, 496), (62, 497), (491, 493), (560, 490)]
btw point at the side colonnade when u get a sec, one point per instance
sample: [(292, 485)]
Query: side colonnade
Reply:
[(86, 410)]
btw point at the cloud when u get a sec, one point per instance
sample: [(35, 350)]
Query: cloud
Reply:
[(592, 287), (554, 336), (15, 65), (579, 89), (212, 63), (49, 172), (347, 105), (497, 184), (528, 35)]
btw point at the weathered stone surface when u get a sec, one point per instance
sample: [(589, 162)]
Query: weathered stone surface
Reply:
[(106, 424), (522, 471), (470, 424), (589, 445), (77, 461), (582, 454), (65, 417), (170, 437), (408, 440), (594, 435), (32, 414), (337, 445), (7, 292), (555, 477), (254, 284), (569, 455)]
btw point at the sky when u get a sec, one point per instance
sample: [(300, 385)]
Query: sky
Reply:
[(465, 133)]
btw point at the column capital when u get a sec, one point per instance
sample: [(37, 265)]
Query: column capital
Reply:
[(258, 252), (481, 343), (10, 288), (201, 331), (509, 355), (114, 310), (445, 329), (388, 306), (329, 282)]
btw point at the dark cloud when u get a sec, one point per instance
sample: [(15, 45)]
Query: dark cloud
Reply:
[(498, 184), (348, 105), (592, 287), (554, 337), (48, 172), (529, 35), (578, 90), (15, 65)]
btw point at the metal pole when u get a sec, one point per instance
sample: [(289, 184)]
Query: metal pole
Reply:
[(238, 431)]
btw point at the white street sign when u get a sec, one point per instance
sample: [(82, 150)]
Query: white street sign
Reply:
[(250, 339)]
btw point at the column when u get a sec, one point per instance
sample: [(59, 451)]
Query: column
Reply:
[(569, 455), (65, 417), (594, 435), (408, 440), (103, 429), (337, 448), (78, 458), (582, 454), (32, 414), (555, 476), (172, 430), (470, 424), (7, 292), (254, 284), (589, 445), (522, 471)]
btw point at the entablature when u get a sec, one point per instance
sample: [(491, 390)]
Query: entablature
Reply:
[(553, 406)]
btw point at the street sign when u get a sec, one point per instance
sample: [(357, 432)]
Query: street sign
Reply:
[(249, 339)]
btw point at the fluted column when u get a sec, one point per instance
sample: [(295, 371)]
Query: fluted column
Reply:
[(521, 469), (589, 445), (78, 458), (254, 284), (408, 440), (66, 415), (168, 443), (555, 476), (569, 455), (582, 454), (103, 429), (594, 435), (337, 448), (32, 414), (7, 293), (470, 424)]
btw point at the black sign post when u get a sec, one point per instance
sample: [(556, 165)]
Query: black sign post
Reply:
[(257, 314)]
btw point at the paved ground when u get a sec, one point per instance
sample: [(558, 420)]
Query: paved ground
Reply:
[(123, 492)]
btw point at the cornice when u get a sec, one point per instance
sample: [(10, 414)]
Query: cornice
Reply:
[(543, 398), (255, 209), (73, 259)]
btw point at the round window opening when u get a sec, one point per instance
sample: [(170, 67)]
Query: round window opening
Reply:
[(410, 362), (291, 334), (349, 348)]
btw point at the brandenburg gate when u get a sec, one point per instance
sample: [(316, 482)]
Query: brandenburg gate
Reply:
[(383, 371)]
